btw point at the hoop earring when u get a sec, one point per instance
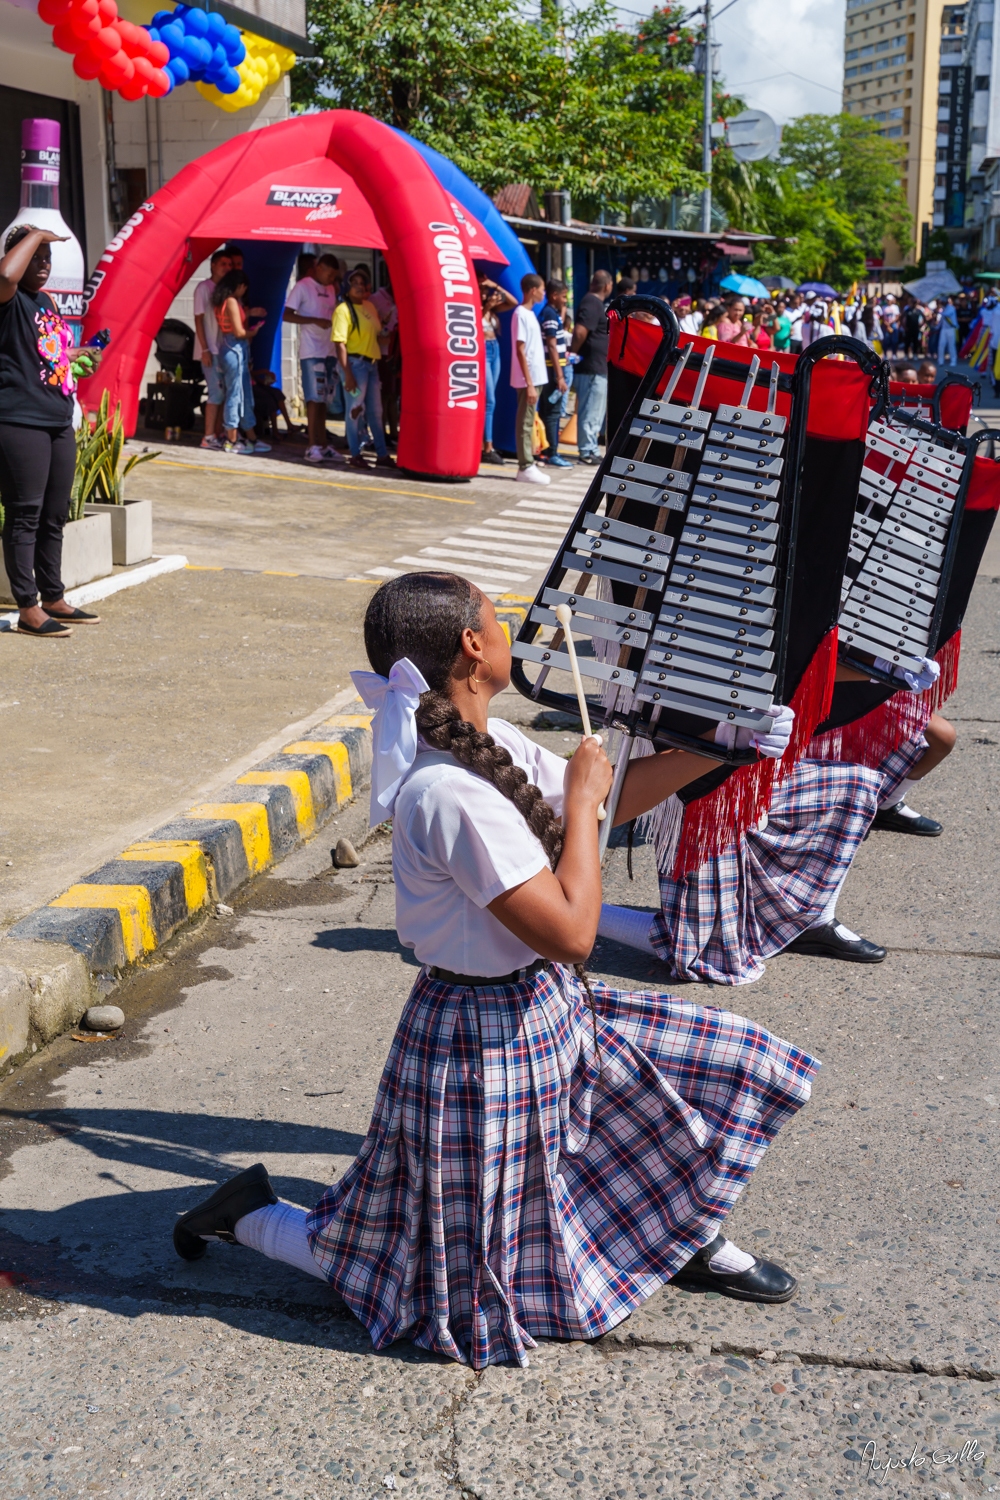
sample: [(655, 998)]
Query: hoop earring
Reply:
[(473, 673)]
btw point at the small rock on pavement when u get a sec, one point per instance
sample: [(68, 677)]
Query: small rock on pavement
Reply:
[(222, 910), (345, 856), (103, 1018)]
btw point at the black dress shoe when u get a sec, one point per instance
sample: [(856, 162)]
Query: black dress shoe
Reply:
[(826, 942), (763, 1282), (891, 820), (218, 1214)]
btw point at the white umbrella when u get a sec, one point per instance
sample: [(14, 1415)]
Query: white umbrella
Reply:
[(937, 284)]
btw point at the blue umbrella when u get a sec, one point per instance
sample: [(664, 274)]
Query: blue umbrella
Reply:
[(821, 288), (746, 286)]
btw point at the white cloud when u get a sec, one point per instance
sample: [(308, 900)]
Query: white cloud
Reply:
[(788, 61), (788, 66)]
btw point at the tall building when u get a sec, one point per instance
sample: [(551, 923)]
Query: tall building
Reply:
[(954, 98), (981, 60), (891, 76)]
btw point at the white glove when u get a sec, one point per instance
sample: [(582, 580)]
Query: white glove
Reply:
[(771, 743), (917, 682)]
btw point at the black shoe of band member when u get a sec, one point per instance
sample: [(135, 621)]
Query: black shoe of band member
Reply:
[(74, 617), (218, 1214), (892, 820), (827, 942), (52, 628), (763, 1282)]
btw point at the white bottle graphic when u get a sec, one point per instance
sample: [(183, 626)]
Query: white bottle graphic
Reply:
[(40, 206)]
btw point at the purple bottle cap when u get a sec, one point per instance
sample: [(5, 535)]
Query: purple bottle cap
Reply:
[(40, 152), (39, 135)]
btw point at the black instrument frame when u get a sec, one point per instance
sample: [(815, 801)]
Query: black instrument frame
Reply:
[(966, 447), (635, 722)]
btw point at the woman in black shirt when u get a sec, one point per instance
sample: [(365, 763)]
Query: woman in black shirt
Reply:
[(37, 444)]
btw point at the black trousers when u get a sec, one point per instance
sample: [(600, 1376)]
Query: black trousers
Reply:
[(36, 476), (550, 411)]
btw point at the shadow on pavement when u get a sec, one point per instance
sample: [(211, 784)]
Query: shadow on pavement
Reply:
[(364, 940)]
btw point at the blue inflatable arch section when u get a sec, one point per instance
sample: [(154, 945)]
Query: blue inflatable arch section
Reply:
[(465, 192)]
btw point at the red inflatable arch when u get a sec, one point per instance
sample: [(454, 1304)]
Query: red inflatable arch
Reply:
[(334, 178)]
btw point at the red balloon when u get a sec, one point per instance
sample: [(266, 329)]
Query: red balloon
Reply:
[(64, 37), (53, 11), (144, 69), (108, 12), (160, 86), (106, 43), (133, 90), (85, 21), (125, 30), (86, 65), (158, 54), (117, 70)]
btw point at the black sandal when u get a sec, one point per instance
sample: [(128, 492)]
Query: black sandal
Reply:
[(51, 628), (78, 617)]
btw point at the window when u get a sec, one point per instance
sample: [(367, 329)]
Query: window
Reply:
[(850, 72), (982, 83), (850, 56), (894, 131)]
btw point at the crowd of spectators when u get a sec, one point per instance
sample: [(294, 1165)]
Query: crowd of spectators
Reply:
[(558, 357)]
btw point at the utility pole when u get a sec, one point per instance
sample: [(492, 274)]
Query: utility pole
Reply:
[(706, 146)]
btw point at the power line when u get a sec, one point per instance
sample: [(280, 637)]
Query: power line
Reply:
[(788, 73)]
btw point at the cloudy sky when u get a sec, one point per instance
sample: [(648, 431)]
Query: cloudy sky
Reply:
[(787, 59)]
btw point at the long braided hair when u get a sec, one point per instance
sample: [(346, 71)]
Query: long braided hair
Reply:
[(422, 616)]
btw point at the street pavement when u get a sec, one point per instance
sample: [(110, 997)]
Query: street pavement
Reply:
[(223, 510), (261, 1036)]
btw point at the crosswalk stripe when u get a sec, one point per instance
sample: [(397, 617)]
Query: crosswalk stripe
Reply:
[(520, 526), (554, 512), (521, 547), (496, 562), (448, 554)]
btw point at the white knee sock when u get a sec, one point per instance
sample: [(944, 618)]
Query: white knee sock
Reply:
[(626, 926), (829, 912), (279, 1231), (899, 796), (731, 1258)]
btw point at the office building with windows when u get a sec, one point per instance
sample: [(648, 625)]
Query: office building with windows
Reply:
[(891, 51)]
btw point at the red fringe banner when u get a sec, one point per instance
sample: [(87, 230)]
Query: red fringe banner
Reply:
[(714, 822), (869, 740)]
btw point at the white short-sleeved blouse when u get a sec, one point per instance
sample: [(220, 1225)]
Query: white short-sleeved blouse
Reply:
[(457, 843)]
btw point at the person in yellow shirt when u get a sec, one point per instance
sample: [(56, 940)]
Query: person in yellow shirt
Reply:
[(356, 327)]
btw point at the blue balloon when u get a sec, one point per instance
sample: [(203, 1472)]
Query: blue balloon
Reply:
[(219, 61), (162, 18), (190, 50), (172, 36), (216, 26), (230, 82), (195, 22), (233, 43), (178, 70)]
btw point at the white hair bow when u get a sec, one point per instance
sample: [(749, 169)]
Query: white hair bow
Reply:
[(394, 729)]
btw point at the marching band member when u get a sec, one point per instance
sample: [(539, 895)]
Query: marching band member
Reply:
[(544, 1153), (775, 889)]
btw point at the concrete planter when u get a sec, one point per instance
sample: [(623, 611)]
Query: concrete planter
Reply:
[(87, 553), (131, 530)]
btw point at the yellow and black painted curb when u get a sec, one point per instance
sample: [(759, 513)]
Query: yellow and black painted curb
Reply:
[(130, 906)]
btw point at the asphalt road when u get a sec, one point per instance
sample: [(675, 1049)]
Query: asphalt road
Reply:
[(261, 1036)]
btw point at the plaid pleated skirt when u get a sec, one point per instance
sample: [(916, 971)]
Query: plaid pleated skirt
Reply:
[(535, 1169), (746, 904)]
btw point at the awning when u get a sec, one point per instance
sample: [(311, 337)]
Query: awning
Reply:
[(316, 202)]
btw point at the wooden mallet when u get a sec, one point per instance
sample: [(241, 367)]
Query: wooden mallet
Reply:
[(565, 617)]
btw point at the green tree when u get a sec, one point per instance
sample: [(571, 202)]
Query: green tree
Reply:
[(566, 101), (858, 168)]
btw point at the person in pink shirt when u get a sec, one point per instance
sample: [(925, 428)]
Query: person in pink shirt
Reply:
[(730, 326)]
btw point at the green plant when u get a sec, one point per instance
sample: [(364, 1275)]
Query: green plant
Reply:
[(99, 477)]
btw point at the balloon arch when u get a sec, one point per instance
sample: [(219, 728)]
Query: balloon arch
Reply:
[(336, 178)]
